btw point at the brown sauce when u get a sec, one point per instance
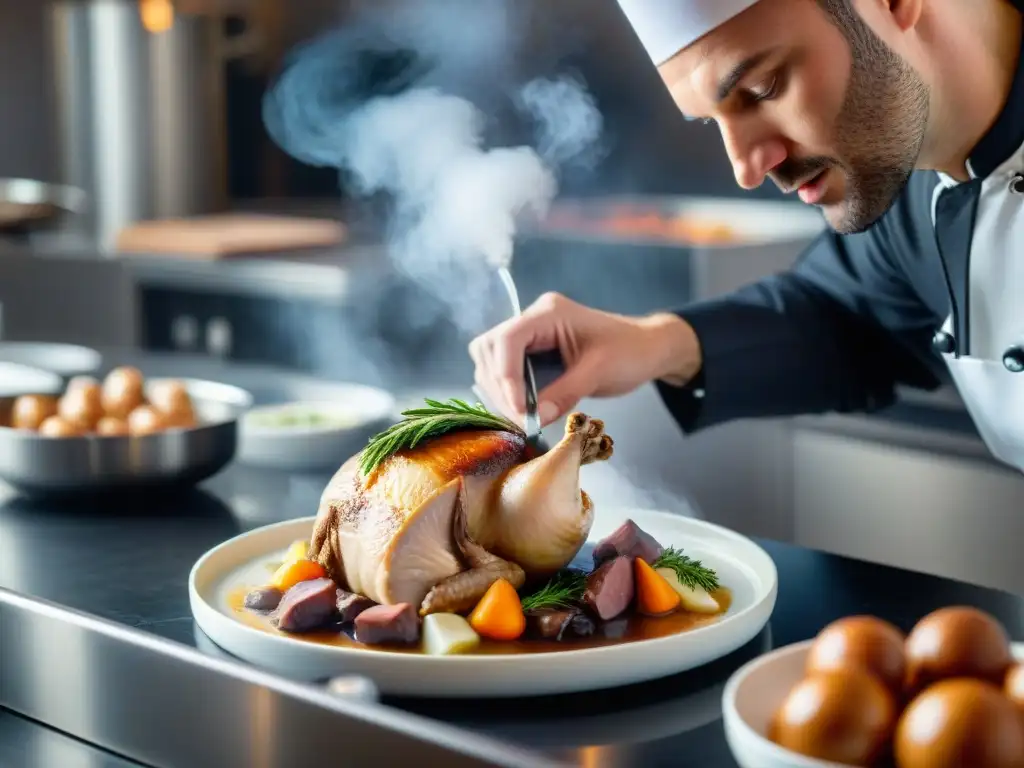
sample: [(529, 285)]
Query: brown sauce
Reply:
[(630, 629)]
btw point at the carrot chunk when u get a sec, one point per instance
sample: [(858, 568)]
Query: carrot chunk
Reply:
[(654, 595), (499, 614), (293, 571)]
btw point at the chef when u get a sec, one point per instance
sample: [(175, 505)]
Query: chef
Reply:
[(903, 122)]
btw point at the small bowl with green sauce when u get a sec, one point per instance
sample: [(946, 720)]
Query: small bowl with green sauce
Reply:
[(314, 435)]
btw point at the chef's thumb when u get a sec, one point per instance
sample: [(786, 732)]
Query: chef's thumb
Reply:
[(564, 393)]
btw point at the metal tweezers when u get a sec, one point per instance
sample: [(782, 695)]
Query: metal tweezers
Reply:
[(532, 425)]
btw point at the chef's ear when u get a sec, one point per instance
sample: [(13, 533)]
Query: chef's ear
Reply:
[(905, 13)]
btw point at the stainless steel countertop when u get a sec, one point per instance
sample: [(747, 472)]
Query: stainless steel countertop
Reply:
[(134, 693), (27, 744), (129, 562)]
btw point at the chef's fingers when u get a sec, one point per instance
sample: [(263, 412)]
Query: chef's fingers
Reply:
[(564, 393), (540, 323), (490, 385), (507, 353), (487, 377), (499, 353), (505, 349), (479, 358)]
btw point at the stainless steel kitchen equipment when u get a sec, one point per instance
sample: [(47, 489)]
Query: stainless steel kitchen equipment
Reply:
[(27, 205), (140, 112), (347, 686), (80, 466), (128, 686), (925, 497), (71, 298)]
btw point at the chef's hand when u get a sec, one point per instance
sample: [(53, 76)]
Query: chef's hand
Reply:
[(604, 354)]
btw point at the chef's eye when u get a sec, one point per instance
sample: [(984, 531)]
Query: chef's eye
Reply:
[(768, 89)]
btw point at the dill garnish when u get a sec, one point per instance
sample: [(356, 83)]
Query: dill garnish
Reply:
[(564, 590), (421, 424), (689, 571)]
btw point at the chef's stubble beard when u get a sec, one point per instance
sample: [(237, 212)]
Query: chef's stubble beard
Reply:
[(880, 128)]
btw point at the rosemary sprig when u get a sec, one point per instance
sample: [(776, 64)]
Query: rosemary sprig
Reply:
[(420, 424), (564, 590), (690, 572)]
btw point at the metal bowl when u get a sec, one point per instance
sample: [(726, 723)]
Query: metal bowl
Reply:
[(42, 466)]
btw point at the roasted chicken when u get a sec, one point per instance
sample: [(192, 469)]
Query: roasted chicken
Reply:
[(435, 525)]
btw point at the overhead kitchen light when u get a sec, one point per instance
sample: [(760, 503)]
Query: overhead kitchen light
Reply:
[(157, 15)]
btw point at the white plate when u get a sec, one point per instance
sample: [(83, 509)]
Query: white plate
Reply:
[(755, 691), (368, 409), (743, 567)]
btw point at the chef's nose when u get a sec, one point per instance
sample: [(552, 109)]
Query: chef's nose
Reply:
[(752, 154)]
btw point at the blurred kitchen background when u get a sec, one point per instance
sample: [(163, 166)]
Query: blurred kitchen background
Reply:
[(153, 112)]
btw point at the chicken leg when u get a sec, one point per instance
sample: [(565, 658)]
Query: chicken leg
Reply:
[(542, 516)]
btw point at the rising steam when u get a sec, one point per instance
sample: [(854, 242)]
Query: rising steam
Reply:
[(568, 123), (457, 203)]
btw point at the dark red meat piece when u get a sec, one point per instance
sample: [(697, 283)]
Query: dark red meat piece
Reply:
[(307, 606), (628, 540), (384, 624), (558, 623), (263, 599), (610, 588), (349, 605)]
